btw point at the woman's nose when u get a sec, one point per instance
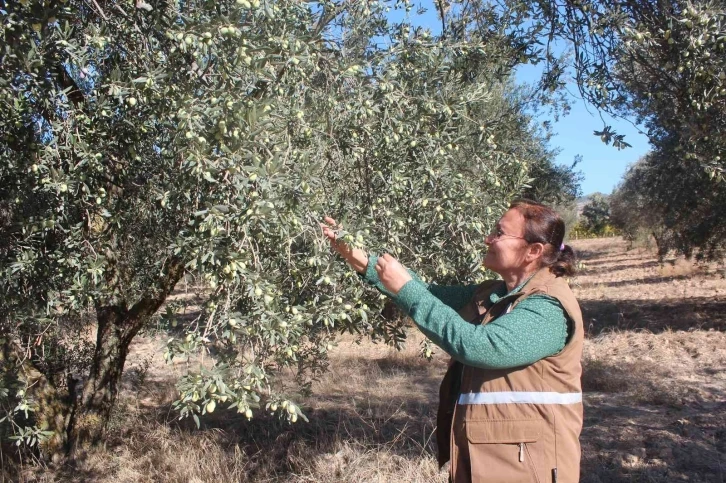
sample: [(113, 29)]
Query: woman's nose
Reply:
[(488, 239)]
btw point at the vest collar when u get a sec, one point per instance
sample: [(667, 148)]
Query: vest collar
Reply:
[(541, 277)]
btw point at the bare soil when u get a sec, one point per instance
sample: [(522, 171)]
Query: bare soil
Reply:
[(654, 390), (653, 375)]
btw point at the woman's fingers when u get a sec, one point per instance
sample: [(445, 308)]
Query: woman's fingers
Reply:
[(391, 273), (355, 257), (332, 225), (329, 228), (385, 260), (328, 232)]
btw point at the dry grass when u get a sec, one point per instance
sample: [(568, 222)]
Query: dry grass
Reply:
[(654, 381), (371, 419), (671, 368)]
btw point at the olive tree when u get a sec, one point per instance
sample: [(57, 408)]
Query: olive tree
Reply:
[(660, 62), (146, 142), (631, 212), (662, 198), (596, 214)]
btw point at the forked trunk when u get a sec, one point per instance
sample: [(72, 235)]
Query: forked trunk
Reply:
[(92, 410), (117, 327)]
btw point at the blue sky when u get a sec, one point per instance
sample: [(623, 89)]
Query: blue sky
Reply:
[(602, 165)]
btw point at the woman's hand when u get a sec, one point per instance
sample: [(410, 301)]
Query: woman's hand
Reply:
[(356, 258), (391, 273)]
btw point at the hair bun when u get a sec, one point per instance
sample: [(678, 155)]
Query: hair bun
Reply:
[(565, 264), (544, 225)]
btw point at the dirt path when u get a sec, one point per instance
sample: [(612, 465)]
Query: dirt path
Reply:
[(654, 378)]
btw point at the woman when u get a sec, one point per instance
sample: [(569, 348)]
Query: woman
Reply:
[(511, 402)]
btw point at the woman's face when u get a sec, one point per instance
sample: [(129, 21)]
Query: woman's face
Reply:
[(507, 247)]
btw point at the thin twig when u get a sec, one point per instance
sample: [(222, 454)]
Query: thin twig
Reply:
[(100, 10)]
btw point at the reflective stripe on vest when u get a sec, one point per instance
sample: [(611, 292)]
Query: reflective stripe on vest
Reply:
[(520, 398)]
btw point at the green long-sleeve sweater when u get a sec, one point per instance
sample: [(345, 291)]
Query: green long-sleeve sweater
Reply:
[(535, 328)]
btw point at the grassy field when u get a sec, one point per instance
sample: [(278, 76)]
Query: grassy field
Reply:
[(654, 382)]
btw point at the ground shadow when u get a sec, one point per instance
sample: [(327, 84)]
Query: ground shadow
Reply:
[(595, 257), (636, 281), (653, 315), (647, 382), (590, 270), (404, 426), (587, 254), (650, 443), (273, 449), (21, 465)]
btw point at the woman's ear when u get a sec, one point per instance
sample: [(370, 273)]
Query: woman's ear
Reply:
[(536, 250)]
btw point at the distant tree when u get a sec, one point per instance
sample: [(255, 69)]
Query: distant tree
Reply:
[(662, 64), (569, 213), (632, 212), (682, 208), (553, 183), (596, 214)]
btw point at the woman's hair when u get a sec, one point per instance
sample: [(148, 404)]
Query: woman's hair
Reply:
[(544, 225)]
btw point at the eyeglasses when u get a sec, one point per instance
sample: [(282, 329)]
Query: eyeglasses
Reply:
[(498, 234)]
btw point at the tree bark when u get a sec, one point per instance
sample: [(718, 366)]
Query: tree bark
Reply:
[(657, 244), (54, 415), (91, 413)]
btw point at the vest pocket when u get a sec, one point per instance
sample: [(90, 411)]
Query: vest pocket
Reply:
[(505, 451), (513, 431)]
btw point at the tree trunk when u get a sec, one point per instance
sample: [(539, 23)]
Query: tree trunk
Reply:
[(657, 242), (92, 410), (117, 327), (53, 415)]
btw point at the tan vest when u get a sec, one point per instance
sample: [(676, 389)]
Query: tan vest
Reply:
[(520, 424)]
